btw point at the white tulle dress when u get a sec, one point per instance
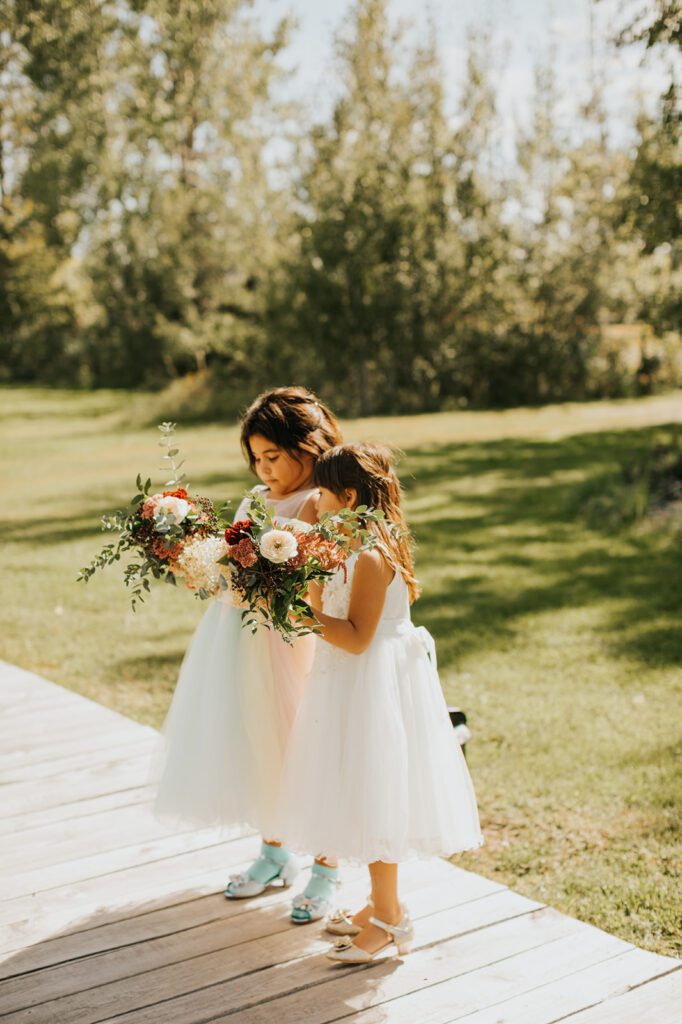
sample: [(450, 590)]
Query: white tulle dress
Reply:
[(223, 742), (374, 770)]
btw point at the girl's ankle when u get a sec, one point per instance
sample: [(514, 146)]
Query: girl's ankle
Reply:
[(327, 862), (390, 914)]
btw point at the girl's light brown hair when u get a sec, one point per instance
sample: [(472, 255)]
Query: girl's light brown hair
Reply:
[(292, 418), (369, 470)]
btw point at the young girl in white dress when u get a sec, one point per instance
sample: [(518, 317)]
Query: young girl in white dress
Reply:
[(237, 694), (374, 770)]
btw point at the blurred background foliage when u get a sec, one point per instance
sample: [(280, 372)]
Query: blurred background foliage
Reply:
[(150, 236)]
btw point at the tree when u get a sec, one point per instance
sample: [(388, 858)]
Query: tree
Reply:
[(131, 143), (663, 29), (177, 253), (650, 207), (368, 290), (37, 306)]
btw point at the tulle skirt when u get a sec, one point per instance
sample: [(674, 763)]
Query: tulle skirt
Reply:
[(374, 771), (222, 746)]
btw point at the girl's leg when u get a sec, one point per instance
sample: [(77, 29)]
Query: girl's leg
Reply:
[(274, 864), (384, 879), (316, 900)]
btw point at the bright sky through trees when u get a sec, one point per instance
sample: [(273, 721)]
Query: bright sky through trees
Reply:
[(524, 31)]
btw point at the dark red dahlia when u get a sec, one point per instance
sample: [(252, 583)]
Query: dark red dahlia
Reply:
[(238, 531)]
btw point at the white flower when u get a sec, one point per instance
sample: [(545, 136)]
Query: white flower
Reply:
[(171, 508), (297, 524), (198, 563), (278, 545)]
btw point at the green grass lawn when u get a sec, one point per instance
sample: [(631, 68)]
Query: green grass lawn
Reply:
[(561, 641)]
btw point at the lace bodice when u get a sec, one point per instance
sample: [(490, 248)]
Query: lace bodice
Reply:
[(337, 593)]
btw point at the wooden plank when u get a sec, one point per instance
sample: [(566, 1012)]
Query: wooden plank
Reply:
[(658, 1002), (18, 685), (85, 869), (62, 841), (229, 964), (110, 777), (52, 714), (67, 724), (20, 824), (176, 911), (33, 755), (432, 985), (560, 1000), (26, 707), (19, 688), (44, 726), (23, 693), (311, 989), (112, 749), (31, 919), (254, 922)]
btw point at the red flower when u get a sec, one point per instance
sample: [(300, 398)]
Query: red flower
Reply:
[(180, 493), (238, 531)]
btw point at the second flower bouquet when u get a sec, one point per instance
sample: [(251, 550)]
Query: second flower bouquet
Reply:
[(272, 563)]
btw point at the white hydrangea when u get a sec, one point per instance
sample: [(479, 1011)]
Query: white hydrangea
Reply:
[(198, 563), (278, 545)]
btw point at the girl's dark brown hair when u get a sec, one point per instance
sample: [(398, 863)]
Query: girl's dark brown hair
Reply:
[(369, 470), (293, 419)]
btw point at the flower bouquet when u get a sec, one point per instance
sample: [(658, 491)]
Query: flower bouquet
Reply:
[(271, 566), (169, 534), (261, 564)]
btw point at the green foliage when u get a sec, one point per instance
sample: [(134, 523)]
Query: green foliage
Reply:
[(363, 285), (408, 277), (663, 29), (650, 208), (150, 238), (650, 213)]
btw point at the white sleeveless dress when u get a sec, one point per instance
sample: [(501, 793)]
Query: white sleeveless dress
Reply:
[(374, 770), (224, 739)]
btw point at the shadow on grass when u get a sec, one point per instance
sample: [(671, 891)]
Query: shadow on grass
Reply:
[(58, 529), (149, 666), (55, 529), (515, 544)]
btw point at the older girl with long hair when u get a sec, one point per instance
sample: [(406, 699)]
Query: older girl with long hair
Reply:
[(237, 695)]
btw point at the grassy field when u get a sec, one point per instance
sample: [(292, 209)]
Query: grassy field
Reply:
[(561, 641)]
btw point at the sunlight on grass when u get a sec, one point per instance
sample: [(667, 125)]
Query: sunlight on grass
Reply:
[(560, 640)]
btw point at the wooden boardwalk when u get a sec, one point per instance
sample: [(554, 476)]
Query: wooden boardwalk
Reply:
[(106, 915)]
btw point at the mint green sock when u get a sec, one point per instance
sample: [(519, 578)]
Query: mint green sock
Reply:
[(269, 863)]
